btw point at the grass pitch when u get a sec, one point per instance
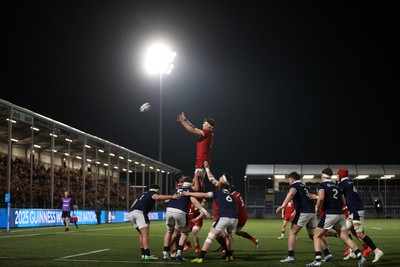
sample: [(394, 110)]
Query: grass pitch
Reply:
[(118, 245)]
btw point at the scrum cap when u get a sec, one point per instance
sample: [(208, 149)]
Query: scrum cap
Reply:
[(342, 173)]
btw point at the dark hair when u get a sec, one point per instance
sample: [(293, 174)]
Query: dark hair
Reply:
[(154, 186), (187, 179), (228, 177), (178, 177), (327, 171), (210, 121), (294, 175)]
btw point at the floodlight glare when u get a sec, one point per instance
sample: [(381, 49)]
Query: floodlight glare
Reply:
[(159, 59)]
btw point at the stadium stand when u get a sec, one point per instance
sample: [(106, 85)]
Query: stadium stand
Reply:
[(374, 182), (49, 157)]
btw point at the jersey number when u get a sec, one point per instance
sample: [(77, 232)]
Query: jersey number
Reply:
[(335, 193)]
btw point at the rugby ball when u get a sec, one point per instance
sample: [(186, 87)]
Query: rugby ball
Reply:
[(145, 107)]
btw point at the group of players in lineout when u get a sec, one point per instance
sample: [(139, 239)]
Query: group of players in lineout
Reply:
[(339, 205)]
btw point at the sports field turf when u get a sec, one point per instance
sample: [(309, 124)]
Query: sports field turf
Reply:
[(117, 245)]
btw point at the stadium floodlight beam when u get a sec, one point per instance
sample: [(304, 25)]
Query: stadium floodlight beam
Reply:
[(158, 60)]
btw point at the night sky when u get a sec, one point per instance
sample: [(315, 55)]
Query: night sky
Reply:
[(286, 82)]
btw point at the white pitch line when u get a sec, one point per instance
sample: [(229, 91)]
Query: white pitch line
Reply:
[(27, 235), (376, 228), (129, 262), (91, 252)]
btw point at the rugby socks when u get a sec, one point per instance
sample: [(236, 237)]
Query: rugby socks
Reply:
[(147, 252), (358, 253), (369, 243), (166, 250), (318, 255), (202, 254), (327, 251), (179, 251)]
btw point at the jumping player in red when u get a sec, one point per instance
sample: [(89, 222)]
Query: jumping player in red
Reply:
[(203, 149)]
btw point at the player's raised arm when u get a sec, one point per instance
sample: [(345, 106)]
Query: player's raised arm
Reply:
[(210, 176), (188, 125)]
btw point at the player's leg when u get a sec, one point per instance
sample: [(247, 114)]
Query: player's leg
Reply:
[(198, 180), (195, 232), (294, 230), (283, 230), (368, 244), (244, 234), (222, 242), (170, 223)]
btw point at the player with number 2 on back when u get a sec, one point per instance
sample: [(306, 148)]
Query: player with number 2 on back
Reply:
[(331, 200)]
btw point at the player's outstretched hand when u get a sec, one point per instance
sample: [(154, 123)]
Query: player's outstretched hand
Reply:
[(181, 117), (278, 209)]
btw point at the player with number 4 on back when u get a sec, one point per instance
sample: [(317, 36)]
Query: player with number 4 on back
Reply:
[(357, 213)]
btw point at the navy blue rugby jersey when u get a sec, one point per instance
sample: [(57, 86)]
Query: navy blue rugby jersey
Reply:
[(145, 202), (226, 203), (301, 200), (183, 202), (353, 200), (333, 198)]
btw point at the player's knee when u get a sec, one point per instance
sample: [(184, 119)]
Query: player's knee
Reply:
[(184, 230), (170, 228), (143, 226), (358, 227), (210, 238), (310, 232)]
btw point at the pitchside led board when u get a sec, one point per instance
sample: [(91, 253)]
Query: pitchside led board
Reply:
[(50, 217)]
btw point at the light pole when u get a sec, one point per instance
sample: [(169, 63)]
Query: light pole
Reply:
[(159, 60)]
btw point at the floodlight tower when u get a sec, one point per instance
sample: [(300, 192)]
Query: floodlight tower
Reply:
[(158, 60)]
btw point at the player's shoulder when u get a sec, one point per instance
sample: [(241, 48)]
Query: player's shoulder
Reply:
[(208, 131)]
